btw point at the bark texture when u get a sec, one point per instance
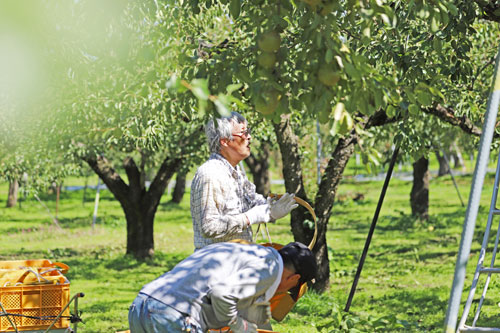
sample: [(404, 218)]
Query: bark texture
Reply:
[(419, 196), (12, 195), (258, 163), (444, 167), (180, 187), (325, 197)]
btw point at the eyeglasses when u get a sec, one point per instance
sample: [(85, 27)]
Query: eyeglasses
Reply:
[(244, 135)]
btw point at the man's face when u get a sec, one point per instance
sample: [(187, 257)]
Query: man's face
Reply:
[(238, 148), (289, 279)]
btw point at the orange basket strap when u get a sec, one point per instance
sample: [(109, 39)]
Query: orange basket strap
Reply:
[(64, 268), (304, 204)]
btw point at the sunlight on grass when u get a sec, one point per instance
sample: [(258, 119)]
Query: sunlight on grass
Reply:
[(404, 285)]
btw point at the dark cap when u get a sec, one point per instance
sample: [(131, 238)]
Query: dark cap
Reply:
[(302, 258)]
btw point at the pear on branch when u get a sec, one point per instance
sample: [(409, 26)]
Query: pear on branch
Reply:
[(267, 102), (269, 41), (266, 60), (328, 76)]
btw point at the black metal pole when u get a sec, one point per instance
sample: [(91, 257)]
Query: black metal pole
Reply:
[(452, 178), (372, 228)]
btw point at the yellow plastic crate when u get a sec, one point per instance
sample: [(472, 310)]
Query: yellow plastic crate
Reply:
[(38, 300)]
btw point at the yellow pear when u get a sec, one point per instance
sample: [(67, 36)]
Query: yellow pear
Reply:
[(266, 60), (328, 76), (269, 41), (267, 102)]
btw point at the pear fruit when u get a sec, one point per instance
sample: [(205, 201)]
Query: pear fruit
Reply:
[(328, 76), (267, 102), (266, 60), (269, 41)]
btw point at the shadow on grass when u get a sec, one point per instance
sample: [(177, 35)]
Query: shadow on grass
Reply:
[(171, 206), (408, 223), (117, 267), (85, 222), (417, 305)]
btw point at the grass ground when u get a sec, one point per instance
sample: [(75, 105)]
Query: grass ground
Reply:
[(404, 285)]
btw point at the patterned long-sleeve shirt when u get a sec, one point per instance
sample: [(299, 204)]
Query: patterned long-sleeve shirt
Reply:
[(220, 282), (220, 195)]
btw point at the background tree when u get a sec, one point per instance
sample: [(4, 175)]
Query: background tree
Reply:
[(353, 66), (117, 104)]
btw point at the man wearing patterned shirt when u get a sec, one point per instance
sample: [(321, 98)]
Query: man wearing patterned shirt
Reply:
[(224, 203)]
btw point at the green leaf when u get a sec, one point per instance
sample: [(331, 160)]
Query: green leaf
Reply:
[(434, 24), (386, 19), (390, 111), (199, 87), (437, 44), (222, 105), (352, 71), (173, 83), (328, 56), (324, 115), (233, 87), (347, 122), (452, 8), (338, 111), (436, 92), (413, 109), (411, 97), (424, 98), (335, 128), (234, 8)]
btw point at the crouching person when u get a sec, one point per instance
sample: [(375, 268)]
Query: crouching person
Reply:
[(221, 285)]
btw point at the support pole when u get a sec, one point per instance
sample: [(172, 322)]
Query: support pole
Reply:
[(452, 177), (96, 203), (318, 153), (372, 229), (473, 205)]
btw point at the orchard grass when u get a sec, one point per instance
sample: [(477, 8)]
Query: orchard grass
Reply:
[(404, 286)]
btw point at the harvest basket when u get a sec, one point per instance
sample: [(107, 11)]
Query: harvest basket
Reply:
[(281, 304), (34, 295)]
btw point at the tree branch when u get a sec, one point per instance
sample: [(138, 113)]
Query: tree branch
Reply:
[(379, 118), (134, 176), (490, 62), (167, 169), (102, 167), (448, 115), (490, 10), (333, 174)]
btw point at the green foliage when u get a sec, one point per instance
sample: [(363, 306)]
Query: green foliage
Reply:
[(338, 61)]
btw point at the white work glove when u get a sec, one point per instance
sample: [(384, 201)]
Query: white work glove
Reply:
[(259, 214), (283, 206), (241, 325)]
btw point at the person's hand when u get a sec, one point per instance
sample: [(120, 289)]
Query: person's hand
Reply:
[(259, 214), (241, 325), (283, 206)]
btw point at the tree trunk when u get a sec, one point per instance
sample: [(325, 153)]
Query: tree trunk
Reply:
[(325, 196), (13, 191), (444, 167), (139, 204), (292, 173), (180, 186), (259, 167), (457, 156), (419, 197)]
